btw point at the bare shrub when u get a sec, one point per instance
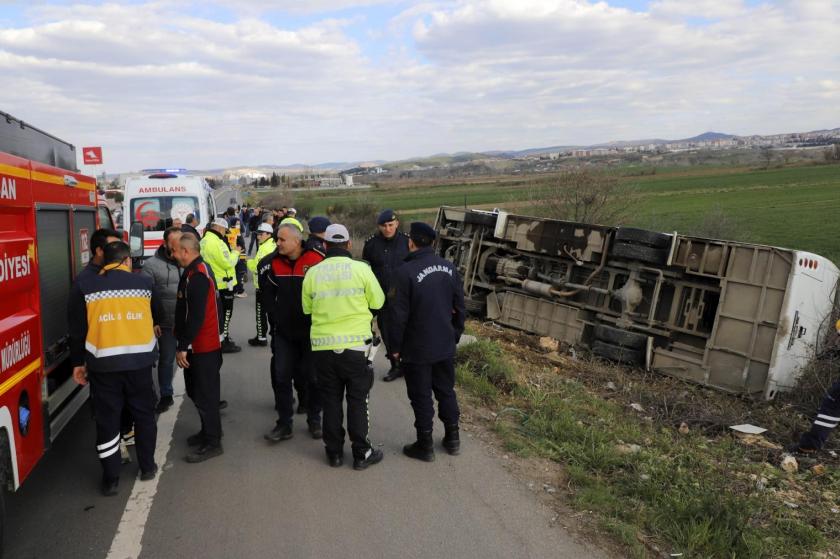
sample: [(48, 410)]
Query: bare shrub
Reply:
[(585, 196), (358, 215)]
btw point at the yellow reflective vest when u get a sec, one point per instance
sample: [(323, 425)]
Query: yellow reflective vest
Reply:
[(339, 293), (266, 247), (217, 254)]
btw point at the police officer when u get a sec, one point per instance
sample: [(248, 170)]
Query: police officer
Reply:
[(426, 322), (339, 293), (317, 226), (265, 246), (112, 341), (197, 319), (281, 277), (385, 251), (216, 252)]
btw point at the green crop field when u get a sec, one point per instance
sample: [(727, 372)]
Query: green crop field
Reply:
[(793, 207)]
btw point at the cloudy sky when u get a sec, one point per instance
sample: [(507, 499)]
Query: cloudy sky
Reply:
[(213, 84)]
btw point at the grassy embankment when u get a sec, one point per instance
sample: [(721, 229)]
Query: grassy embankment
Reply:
[(794, 207), (665, 478)]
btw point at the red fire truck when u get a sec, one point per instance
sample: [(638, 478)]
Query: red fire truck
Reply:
[(48, 211)]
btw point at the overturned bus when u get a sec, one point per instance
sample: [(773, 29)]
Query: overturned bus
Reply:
[(740, 317)]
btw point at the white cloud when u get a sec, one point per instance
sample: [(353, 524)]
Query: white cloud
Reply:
[(158, 84)]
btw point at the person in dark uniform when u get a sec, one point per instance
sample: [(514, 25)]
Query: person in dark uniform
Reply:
[(385, 251), (113, 333), (426, 307), (828, 417), (317, 227), (198, 322)]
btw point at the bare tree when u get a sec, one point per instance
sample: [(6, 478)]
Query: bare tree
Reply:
[(585, 196), (767, 156)]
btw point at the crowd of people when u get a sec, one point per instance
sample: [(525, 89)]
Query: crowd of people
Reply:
[(315, 308)]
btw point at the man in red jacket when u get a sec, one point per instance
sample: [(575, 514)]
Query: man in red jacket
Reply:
[(281, 280), (199, 348)]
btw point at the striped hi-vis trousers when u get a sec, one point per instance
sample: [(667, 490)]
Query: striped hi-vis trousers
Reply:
[(110, 393), (828, 417)]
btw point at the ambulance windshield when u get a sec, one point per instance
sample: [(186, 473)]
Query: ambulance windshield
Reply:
[(156, 213)]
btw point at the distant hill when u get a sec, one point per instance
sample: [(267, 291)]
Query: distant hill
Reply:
[(708, 136)]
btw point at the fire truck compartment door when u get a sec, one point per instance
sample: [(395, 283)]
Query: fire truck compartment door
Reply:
[(54, 261)]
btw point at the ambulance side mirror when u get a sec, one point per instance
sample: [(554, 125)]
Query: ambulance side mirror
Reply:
[(135, 240)]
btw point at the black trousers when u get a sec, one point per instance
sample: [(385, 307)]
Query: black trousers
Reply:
[(202, 381), (421, 380), (227, 307), (293, 359), (826, 421), (344, 375), (241, 273), (262, 318), (110, 393), (382, 322)]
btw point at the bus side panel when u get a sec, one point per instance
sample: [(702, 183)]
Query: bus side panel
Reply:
[(21, 369)]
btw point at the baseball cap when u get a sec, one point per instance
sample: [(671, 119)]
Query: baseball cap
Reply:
[(265, 228), (291, 211), (385, 216), (221, 222), (336, 233)]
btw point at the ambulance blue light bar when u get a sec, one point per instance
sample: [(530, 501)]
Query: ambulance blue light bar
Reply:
[(167, 171)]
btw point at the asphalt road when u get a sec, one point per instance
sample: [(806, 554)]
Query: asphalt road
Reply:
[(224, 195), (261, 500)]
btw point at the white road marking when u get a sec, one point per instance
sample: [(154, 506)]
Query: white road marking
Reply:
[(128, 541)]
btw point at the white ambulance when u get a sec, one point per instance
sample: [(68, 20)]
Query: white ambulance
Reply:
[(161, 196)]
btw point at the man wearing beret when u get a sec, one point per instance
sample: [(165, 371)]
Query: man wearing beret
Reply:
[(426, 308), (385, 251), (317, 227)]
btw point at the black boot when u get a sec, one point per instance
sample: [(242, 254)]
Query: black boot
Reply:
[(451, 441), (423, 448), (394, 372)]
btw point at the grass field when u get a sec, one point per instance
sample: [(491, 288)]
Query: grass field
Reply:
[(793, 207)]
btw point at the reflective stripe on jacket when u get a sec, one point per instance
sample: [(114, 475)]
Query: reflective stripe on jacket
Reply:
[(265, 248), (120, 332), (339, 293), (217, 254)]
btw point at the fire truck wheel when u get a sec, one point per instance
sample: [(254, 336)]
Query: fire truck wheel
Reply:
[(641, 253), (623, 338), (642, 237), (617, 353), (2, 517)]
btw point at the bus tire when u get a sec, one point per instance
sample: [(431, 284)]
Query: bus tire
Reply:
[(642, 237), (617, 353), (641, 253), (619, 337)]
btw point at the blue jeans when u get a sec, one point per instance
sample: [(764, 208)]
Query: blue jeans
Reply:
[(167, 344)]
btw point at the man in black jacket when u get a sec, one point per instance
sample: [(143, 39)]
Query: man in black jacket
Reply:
[(281, 278), (385, 251), (113, 327), (425, 323), (198, 319)]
